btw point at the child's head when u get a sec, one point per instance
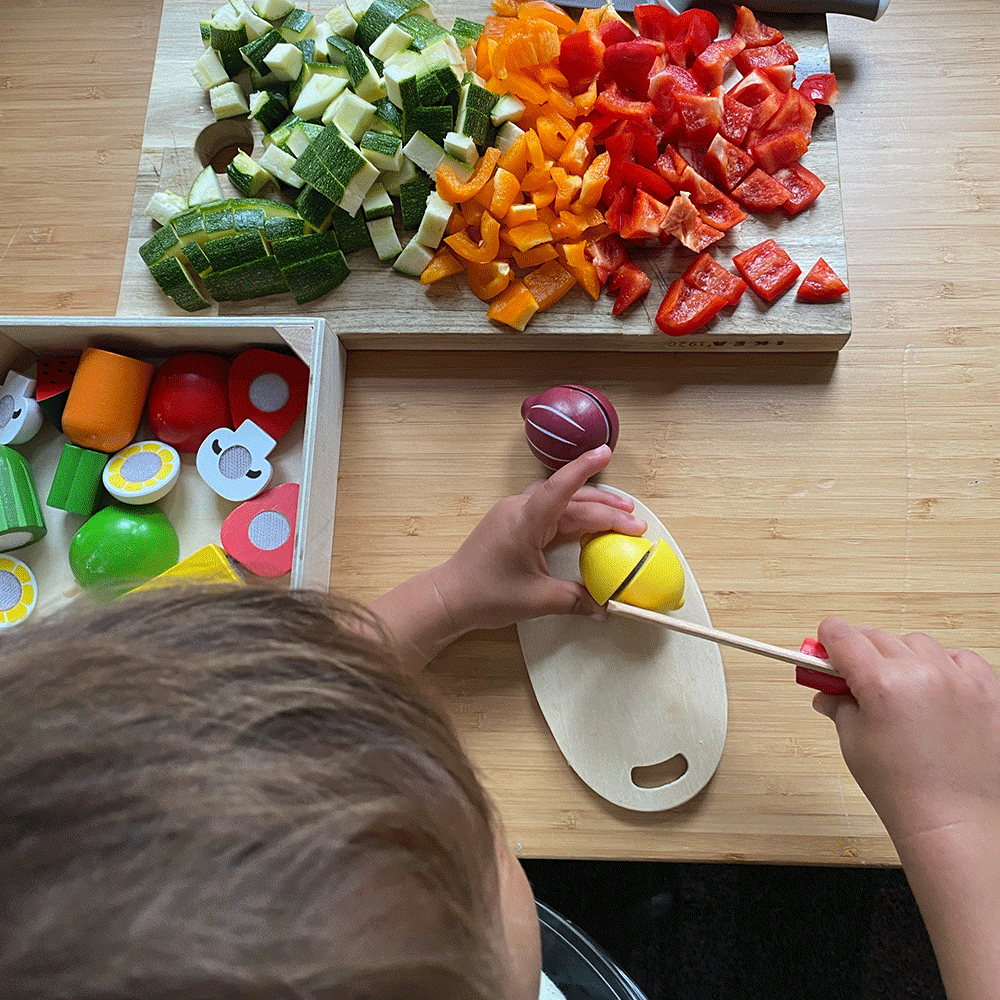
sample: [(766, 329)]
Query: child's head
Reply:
[(233, 794)]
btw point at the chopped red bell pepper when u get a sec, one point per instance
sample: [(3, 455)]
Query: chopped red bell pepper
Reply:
[(628, 64), (782, 76), (684, 221), (709, 275), (735, 119), (820, 88), (767, 269), (779, 54), (753, 31), (760, 192), (631, 283), (754, 88), (779, 149), (821, 284), (614, 29), (725, 163), (644, 179), (695, 30), (710, 67), (701, 115), (612, 101), (619, 207), (670, 165), (581, 55), (702, 190), (607, 254), (722, 213), (804, 187), (795, 111), (685, 309), (646, 219), (654, 21), (644, 141)]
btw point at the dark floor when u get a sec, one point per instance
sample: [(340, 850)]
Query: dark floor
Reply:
[(743, 932)]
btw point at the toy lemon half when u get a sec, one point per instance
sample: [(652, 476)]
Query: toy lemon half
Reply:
[(632, 570), (18, 591), (142, 472)]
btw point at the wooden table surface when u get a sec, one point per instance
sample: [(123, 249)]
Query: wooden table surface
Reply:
[(864, 483)]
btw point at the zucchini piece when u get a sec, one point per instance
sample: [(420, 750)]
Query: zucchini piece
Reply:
[(434, 221), (228, 101), (190, 224), (307, 46), (423, 29), (466, 32), (228, 36), (280, 165), (299, 248), (384, 238), (254, 23), (340, 21), (475, 106), (388, 117), (311, 278), (205, 188), (352, 231), (298, 25), (382, 149), (165, 206), (301, 136), (366, 82), (462, 147), (279, 137), (284, 61), (318, 94), (160, 245), (413, 259), (435, 122), (209, 71), (227, 252), (377, 203), (269, 107), (394, 39), (272, 10), (507, 109), (314, 207), (413, 200), (507, 135), (218, 220), (247, 175), (252, 280), (254, 53), (248, 214), (351, 113), (173, 278), (282, 229), (311, 168), (196, 257)]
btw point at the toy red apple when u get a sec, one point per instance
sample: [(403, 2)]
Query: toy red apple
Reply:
[(563, 422), (189, 398)]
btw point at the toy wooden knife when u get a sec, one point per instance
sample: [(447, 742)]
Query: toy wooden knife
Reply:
[(870, 9)]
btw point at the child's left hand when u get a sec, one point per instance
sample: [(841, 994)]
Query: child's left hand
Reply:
[(499, 574)]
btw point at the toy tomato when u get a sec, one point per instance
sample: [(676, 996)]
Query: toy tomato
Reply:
[(189, 399)]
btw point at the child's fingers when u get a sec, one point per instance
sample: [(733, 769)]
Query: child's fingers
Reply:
[(849, 648), (592, 518), (547, 500)]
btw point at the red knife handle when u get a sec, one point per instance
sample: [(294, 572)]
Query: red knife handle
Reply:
[(807, 677)]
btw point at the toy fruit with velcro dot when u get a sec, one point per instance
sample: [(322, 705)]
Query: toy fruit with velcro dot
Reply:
[(633, 570)]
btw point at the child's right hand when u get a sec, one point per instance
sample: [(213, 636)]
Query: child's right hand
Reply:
[(921, 734)]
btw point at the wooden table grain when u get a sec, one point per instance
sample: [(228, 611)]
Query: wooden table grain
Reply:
[(864, 483)]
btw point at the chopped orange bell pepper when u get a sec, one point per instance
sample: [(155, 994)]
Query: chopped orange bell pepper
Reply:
[(506, 190), (452, 188), (548, 283), (549, 74), (594, 179), (553, 133), (585, 102), (515, 159), (547, 12), (506, 8), (582, 269), (590, 18), (535, 178), (569, 226), (529, 235), (443, 264), (518, 215), (567, 187), (514, 306), (544, 195), (490, 279), (536, 155), (487, 247), (471, 212), (536, 255), (561, 101)]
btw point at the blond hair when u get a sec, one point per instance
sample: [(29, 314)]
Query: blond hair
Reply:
[(233, 794)]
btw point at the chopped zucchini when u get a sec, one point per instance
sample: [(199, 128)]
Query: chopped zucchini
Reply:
[(351, 113), (284, 61), (247, 281), (173, 278), (311, 278), (209, 71), (165, 206), (384, 238), (205, 189), (272, 10), (382, 149), (434, 222), (394, 39), (254, 53), (340, 21), (247, 175), (318, 94), (506, 109), (268, 107), (298, 25), (413, 259), (377, 203), (507, 135), (280, 165), (228, 101), (413, 200)]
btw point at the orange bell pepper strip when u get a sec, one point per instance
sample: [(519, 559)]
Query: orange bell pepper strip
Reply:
[(561, 101), (548, 283), (569, 226), (578, 151), (518, 215), (582, 269), (535, 178), (544, 196), (585, 102), (485, 194), (520, 85), (514, 306), (536, 155), (567, 187), (452, 188), (549, 74), (506, 191), (484, 56), (442, 265), (488, 280), (515, 159), (486, 249), (529, 235), (536, 255), (554, 132), (590, 18), (595, 177), (547, 12), (506, 8)]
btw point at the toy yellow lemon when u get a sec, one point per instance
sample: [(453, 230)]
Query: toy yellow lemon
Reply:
[(632, 570)]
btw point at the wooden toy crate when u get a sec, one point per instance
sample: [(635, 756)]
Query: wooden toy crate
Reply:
[(308, 454)]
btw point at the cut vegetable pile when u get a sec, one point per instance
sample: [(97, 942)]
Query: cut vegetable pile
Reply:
[(525, 154)]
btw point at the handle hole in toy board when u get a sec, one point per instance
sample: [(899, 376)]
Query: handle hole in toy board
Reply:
[(219, 143), (666, 772)]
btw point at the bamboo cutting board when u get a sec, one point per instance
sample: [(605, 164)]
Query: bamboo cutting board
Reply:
[(376, 308)]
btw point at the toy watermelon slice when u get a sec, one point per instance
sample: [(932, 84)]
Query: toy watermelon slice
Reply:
[(54, 376)]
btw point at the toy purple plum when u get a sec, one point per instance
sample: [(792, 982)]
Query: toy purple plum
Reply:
[(563, 422)]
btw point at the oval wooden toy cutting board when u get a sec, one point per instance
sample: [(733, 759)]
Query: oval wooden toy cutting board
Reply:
[(622, 694)]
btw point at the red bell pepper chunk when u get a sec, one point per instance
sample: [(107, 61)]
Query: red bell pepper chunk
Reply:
[(645, 140), (619, 207), (642, 178), (779, 149), (646, 219), (654, 21), (725, 163), (795, 111), (607, 254), (782, 76), (581, 56), (753, 31), (722, 213), (706, 273), (767, 269), (780, 54), (820, 88), (614, 29), (821, 284), (710, 67), (701, 115), (631, 283), (670, 165), (735, 119), (760, 192), (754, 88), (803, 185), (684, 221), (702, 191), (612, 101), (628, 64), (685, 309)]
